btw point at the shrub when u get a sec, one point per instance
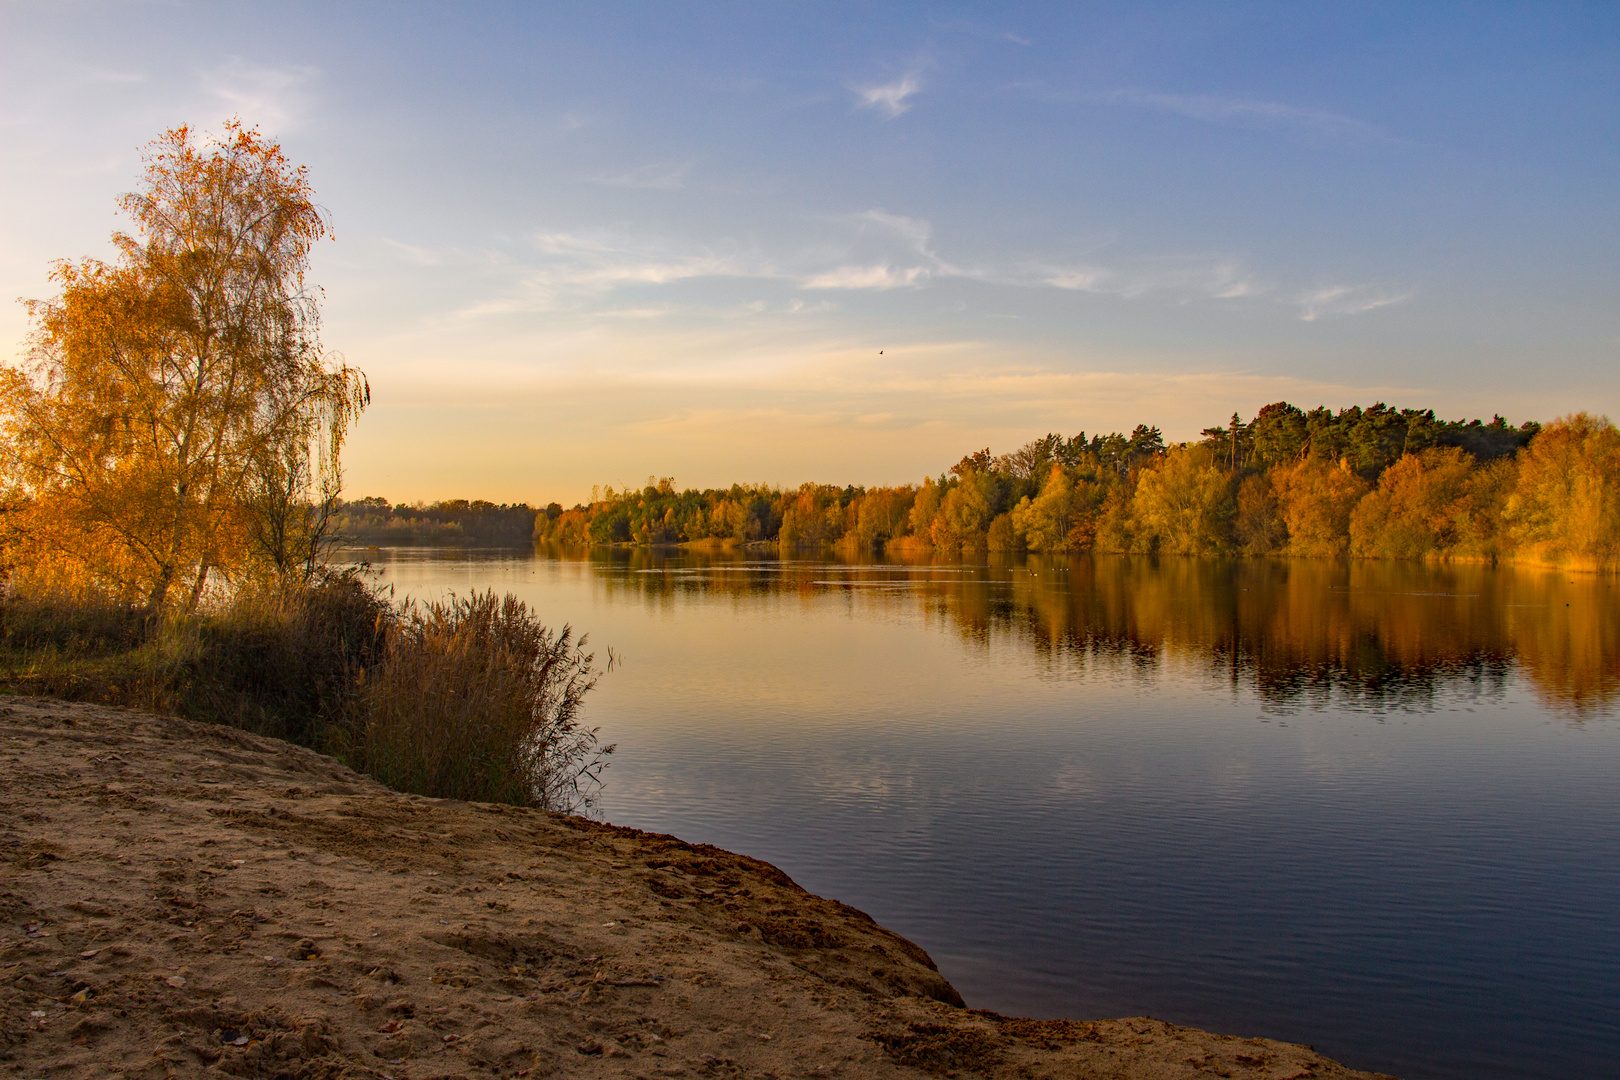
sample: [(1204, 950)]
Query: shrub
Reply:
[(475, 699), (281, 661), (468, 699)]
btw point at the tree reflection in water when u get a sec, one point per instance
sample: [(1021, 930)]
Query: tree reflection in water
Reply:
[(1362, 634)]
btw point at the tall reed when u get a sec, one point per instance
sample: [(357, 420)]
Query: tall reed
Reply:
[(475, 699)]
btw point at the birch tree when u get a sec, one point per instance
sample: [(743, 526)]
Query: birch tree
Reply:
[(174, 401)]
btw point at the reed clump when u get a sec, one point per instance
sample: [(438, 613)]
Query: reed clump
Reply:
[(470, 698), (474, 698)]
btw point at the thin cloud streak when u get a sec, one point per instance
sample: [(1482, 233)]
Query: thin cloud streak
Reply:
[(890, 98), (591, 267), (1216, 109), (273, 98), (914, 231), (867, 277), (1346, 300), (569, 270), (1218, 279)]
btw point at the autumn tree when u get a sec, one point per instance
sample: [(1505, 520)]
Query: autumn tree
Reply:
[(1045, 520), (1257, 523), (1317, 498), (175, 408), (1566, 504), (1423, 505), (883, 515), (967, 510), (924, 508), (1182, 503)]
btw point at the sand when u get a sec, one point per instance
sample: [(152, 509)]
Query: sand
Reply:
[(179, 899)]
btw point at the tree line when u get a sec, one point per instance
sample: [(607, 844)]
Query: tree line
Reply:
[(1376, 482), (373, 520)]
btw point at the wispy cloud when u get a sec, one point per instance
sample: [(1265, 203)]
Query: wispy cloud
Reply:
[(892, 251), (1185, 277), (916, 232), (600, 262), (1180, 279), (1215, 108), (559, 270), (867, 277), (890, 99), (875, 247), (611, 274), (1346, 300), (273, 98), (657, 312), (1080, 279)]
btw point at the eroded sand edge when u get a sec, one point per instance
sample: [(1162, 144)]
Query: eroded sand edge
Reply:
[(180, 898)]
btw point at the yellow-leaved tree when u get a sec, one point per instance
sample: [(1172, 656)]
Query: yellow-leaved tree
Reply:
[(1181, 505), (175, 415), (1566, 505)]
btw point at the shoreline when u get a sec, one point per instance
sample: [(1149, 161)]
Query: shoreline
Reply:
[(179, 898), (983, 556)]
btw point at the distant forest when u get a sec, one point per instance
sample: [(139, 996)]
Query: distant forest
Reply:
[(1374, 482), (453, 521)]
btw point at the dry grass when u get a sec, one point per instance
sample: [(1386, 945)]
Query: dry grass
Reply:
[(475, 699), (472, 698)]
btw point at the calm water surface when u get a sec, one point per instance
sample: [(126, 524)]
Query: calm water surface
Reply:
[(1372, 808)]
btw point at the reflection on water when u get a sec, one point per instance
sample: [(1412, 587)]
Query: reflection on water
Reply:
[(1371, 807), (1378, 634)]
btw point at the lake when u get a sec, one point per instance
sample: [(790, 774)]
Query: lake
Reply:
[(1371, 807)]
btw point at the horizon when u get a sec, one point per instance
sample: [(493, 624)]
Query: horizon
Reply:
[(573, 248)]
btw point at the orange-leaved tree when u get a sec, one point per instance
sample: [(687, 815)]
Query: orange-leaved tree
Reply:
[(175, 415), (1566, 504)]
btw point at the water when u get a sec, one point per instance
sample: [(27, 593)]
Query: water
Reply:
[(1371, 808)]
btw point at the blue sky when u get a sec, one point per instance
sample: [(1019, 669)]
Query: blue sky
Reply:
[(582, 244)]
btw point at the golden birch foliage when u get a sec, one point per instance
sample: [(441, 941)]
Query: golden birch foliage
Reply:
[(965, 513), (1257, 524), (1045, 521), (1181, 504), (1566, 504), (1002, 535), (1115, 527), (162, 391), (883, 514), (1420, 507), (1317, 497), (924, 508), (1437, 502), (812, 518)]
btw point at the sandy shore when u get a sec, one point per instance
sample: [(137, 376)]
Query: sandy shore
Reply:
[(179, 899)]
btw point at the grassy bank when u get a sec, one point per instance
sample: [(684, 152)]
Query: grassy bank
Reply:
[(472, 698)]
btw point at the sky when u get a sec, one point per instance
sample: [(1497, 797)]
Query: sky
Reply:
[(584, 244)]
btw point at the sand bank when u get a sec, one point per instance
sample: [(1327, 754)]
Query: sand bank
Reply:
[(179, 899)]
